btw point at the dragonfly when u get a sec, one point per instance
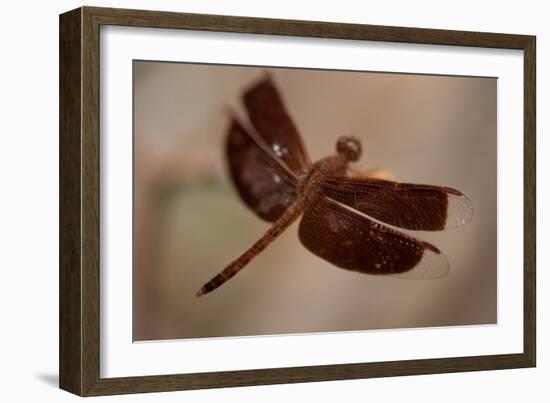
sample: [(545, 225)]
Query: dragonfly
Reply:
[(344, 215)]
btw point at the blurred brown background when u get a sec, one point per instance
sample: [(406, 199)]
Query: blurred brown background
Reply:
[(189, 222)]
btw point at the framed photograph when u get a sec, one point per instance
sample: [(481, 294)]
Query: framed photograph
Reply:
[(249, 201)]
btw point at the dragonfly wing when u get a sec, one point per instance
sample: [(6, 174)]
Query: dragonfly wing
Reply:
[(352, 241), (405, 205), (269, 117), (261, 182)]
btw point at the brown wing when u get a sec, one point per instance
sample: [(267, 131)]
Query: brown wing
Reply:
[(268, 115), (354, 242), (262, 184), (406, 205)]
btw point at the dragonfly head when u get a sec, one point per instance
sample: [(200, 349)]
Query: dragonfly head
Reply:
[(349, 147)]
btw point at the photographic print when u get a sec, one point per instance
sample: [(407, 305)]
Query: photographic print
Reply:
[(253, 201), (292, 201)]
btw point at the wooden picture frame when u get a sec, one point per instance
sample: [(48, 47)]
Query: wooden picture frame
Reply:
[(80, 199)]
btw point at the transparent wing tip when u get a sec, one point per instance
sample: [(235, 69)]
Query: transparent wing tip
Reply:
[(433, 265), (460, 209)]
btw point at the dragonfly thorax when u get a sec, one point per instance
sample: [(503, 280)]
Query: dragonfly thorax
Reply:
[(311, 186)]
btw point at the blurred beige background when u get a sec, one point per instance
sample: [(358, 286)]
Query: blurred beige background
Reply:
[(189, 222)]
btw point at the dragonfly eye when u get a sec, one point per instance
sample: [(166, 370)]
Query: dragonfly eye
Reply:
[(350, 147)]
